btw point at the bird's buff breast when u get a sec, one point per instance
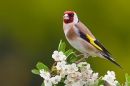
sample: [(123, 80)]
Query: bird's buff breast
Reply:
[(79, 46)]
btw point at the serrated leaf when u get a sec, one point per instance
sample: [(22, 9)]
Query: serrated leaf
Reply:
[(68, 52), (35, 71), (42, 66), (62, 47), (42, 84)]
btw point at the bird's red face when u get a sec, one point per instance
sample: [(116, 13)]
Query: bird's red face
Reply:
[(68, 17)]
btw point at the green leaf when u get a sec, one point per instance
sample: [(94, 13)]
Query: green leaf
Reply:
[(68, 60), (74, 58), (98, 82), (127, 77), (60, 84), (95, 83), (68, 52), (42, 66), (42, 84), (35, 71), (54, 70), (127, 83), (101, 82), (62, 46), (59, 45)]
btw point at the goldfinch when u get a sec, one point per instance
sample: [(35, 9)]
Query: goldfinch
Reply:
[(79, 36)]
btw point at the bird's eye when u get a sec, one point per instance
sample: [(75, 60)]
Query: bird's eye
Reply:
[(71, 15)]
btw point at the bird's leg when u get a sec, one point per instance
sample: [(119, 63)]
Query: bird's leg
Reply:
[(77, 55), (85, 56)]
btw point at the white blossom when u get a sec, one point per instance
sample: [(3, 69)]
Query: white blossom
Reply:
[(89, 82), (72, 68), (68, 83), (73, 74), (56, 79), (89, 72), (88, 66), (47, 82), (110, 78), (95, 76), (58, 56), (86, 69), (63, 73), (78, 83), (60, 65), (115, 81), (78, 75), (71, 77), (84, 76), (112, 74), (44, 74)]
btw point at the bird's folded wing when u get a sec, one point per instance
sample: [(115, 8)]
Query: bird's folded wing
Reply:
[(88, 36), (94, 42)]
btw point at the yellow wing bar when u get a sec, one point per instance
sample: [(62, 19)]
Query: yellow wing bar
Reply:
[(92, 42)]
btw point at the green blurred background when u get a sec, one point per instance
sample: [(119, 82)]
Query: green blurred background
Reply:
[(30, 31)]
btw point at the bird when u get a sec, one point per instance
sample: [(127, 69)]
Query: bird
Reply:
[(80, 37)]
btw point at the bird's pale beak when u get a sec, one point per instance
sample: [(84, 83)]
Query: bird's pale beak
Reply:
[(66, 17)]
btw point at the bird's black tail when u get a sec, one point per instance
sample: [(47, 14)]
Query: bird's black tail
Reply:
[(110, 59)]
